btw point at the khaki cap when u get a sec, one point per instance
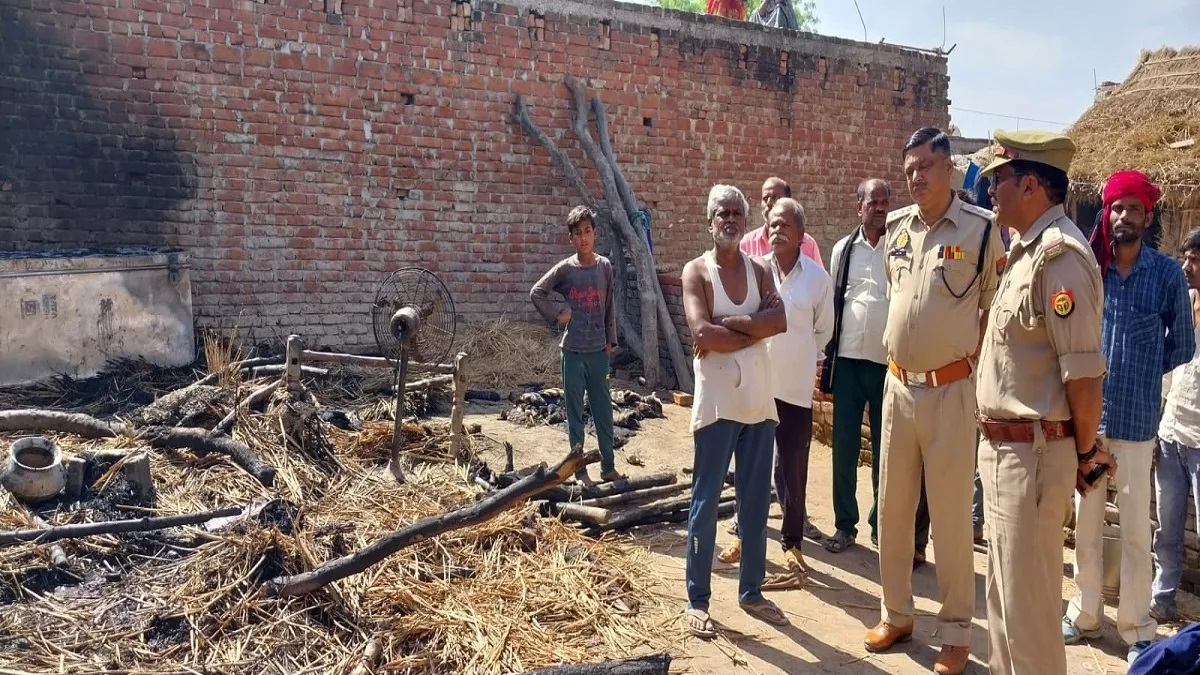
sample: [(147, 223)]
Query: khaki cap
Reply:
[(1044, 147)]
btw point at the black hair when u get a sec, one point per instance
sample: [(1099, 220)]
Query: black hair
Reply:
[(1191, 241), (864, 188), (579, 214), (937, 139), (1054, 180)]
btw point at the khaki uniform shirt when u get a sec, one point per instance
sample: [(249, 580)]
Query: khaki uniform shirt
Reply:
[(1044, 326), (934, 295)]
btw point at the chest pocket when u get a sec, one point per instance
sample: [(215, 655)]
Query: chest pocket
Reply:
[(954, 278), (901, 268), (1013, 311)]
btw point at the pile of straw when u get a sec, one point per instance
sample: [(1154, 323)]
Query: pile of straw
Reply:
[(1132, 127), (507, 354), (512, 594)]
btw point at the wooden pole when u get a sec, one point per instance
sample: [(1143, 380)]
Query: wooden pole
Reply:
[(255, 397), (295, 346), (654, 664), (458, 407), (48, 534), (638, 495), (591, 515)]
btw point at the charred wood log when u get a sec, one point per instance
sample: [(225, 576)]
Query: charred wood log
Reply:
[(654, 664)]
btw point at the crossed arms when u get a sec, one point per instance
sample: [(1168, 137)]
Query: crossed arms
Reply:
[(730, 333)]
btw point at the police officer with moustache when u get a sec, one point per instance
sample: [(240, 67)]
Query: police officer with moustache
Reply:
[(1039, 394)]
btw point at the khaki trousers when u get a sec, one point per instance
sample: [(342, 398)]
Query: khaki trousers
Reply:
[(932, 430), (1025, 491), (1086, 610)]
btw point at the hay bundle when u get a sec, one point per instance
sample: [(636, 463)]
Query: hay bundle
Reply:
[(506, 353), (510, 594), (1133, 126)]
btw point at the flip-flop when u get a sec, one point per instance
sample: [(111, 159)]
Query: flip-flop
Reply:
[(700, 624), (732, 554), (765, 610), (839, 542)]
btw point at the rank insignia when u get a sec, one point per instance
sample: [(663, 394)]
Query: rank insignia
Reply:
[(902, 240), (1063, 303)]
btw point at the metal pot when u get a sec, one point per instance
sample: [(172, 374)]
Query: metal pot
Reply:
[(34, 472)]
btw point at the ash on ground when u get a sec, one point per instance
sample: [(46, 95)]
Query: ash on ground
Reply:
[(548, 407)]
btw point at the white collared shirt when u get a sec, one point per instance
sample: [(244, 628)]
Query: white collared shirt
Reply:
[(807, 294), (864, 314)]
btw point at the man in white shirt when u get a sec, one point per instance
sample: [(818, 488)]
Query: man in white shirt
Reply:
[(807, 294), (855, 359), (1177, 458)]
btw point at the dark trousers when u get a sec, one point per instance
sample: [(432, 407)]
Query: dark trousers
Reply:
[(793, 438), (857, 384), (589, 373), (749, 445)]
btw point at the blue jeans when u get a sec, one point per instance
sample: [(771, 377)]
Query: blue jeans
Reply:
[(1177, 470), (753, 446)]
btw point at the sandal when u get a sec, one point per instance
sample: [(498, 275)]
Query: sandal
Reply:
[(839, 542), (812, 531), (700, 624), (782, 581), (765, 610)]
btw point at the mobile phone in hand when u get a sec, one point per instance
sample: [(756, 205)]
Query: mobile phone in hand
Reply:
[(1095, 473)]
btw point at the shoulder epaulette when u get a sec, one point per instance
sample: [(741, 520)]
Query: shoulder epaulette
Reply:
[(978, 211), (896, 215), (1053, 242)]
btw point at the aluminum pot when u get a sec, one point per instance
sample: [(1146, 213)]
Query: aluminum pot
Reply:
[(34, 472)]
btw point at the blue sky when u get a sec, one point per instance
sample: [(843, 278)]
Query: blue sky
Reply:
[(1027, 59)]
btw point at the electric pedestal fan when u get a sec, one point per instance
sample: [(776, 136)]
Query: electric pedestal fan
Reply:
[(414, 317)]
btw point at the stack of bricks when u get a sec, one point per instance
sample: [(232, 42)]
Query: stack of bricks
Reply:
[(823, 423)]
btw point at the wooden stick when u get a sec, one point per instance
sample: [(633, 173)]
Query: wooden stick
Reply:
[(198, 440), (371, 654), (638, 495), (237, 365), (347, 359), (264, 371), (471, 514), (428, 382), (653, 512), (458, 405), (591, 515), (654, 664), (47, 534), (257, 396), (576, 492)]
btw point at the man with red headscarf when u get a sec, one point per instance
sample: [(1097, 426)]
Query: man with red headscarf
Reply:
[(730, 9), (1146, 332)]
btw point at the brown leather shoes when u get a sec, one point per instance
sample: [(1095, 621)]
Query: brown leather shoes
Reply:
[(952, 660), (884, 635)]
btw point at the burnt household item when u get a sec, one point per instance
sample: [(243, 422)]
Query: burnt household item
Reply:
[(413, 315), (34, 472)]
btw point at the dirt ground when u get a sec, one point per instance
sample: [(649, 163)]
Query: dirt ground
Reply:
[(841, 602)]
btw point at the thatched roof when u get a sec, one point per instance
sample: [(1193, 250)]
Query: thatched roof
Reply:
[(1134, 125)]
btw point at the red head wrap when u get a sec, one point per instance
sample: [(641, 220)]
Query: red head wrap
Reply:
[(1120, 185)]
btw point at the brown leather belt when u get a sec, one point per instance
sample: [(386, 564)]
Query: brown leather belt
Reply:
[(1022, 431), (952, 372)]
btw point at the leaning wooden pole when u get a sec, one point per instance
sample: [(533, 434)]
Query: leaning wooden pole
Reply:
[(647, 276), (458, 406), (680, 363)]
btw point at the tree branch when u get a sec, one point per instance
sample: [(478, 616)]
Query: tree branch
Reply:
[(426, 528)]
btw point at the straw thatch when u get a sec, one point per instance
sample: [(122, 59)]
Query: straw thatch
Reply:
[(1134, 124), (514, 593)]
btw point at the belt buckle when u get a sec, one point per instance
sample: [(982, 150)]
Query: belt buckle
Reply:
[(917, 380)]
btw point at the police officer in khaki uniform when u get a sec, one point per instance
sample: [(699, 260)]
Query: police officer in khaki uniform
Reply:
[(943, 259), (1039, 392)]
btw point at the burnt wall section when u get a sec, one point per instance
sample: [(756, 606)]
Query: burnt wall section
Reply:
[(300, 150)]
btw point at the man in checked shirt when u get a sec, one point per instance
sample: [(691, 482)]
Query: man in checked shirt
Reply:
[(1146, 332)]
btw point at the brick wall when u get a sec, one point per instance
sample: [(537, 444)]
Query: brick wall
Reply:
[(302, 149)]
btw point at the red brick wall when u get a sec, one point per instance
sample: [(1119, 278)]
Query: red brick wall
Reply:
[(299, 155)]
